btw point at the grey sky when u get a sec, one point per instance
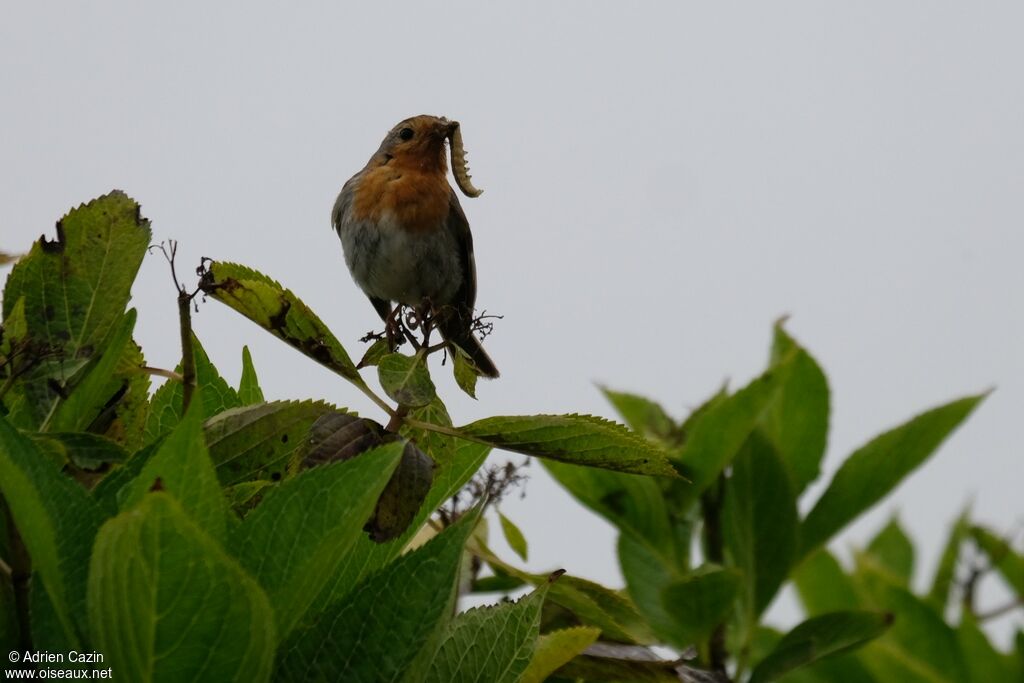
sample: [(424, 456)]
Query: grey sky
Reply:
[(661, 184)]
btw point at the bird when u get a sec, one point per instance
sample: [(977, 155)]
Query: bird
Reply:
[(405, 237)]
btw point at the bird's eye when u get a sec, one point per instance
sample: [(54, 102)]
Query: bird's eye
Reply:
[(406, 133)]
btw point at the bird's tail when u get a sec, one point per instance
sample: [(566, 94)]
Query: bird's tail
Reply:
[(456, 332)]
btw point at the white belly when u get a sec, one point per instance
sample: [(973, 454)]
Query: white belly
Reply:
[(395, 265)]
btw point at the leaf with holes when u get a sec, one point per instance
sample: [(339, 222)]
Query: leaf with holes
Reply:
[(277, 310)]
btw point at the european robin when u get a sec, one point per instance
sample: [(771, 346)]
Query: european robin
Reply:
[(405, 237)]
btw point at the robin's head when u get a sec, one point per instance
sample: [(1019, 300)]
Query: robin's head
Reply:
[(419, 141)]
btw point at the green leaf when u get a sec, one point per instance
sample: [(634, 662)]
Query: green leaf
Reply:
[(1007, 562), (514, 537), (493, 644), (644, 416), (822, 584), (9, 633), (631, 502), (876, 468), (260, 441), (715, 437), (984, 661), (182, 467), (56, 520), (920, 646), (465, 372), (647, 573), (701, 600), (440, 447), (894, 551), (374, 353), (87, 397), (87, 451), (167, 604), (249, 391), (165, 408), (575, 439), (797, 421), (616, 663), (75, 290), (373, 633), (760, 523), (278, 311), (945, 572), (367, 556), (294, 541), (406, 379), (820, 637), (555, 649)]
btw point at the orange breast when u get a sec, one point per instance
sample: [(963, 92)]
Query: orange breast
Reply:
[(416, 200)]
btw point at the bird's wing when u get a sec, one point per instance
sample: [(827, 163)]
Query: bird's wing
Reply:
[(458, 226), (343, 202)]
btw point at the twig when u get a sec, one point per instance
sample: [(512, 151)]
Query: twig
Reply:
[(397, 417), (160, 372), (185, 299), (1001, 610)]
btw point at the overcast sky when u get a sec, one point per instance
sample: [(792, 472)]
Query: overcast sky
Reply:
[(661, 184)]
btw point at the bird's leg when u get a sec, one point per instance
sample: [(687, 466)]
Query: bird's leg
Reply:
[(426, 318), (392, 327)]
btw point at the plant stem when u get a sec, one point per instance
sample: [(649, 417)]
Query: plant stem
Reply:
[(711, 506), (21, 577), (397, 418), (188, 358), (160, 372)]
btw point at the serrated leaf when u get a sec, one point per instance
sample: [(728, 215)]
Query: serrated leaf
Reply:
[(249, 391), (699, 601), (1008, 562), (259, 441), (644, 416), (369, 635), (822, 584), (75, 289), (165, 408), (760, 523), (440, 447), (108, 491), (278, 311), (167, 604), (575, 439), (876, 468), (797, 420), (715, 436), (56, 520), (557, 648), (301, 531), (182, 467), (893, 549), (406, 379), (514, 537), (465, 372), (86, 399), (493, 644), (616, 663), (820, 637)]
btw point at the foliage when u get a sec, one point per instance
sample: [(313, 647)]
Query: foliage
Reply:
[(206, 533)]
